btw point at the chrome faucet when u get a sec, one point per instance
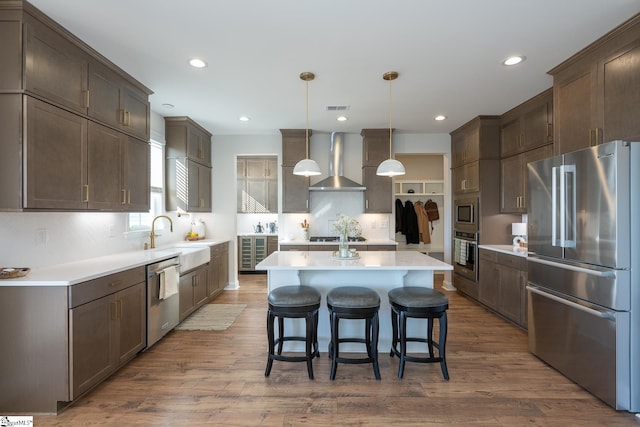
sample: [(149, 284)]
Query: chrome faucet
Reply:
[(153, 234)]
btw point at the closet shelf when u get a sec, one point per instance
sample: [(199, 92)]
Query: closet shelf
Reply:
[(420, 188)]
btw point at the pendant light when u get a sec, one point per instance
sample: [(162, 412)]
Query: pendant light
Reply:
[(307, 167), (391, 166)]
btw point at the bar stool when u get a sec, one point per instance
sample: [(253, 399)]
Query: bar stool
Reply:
[(423, 303), (354, 302), (293, 302)]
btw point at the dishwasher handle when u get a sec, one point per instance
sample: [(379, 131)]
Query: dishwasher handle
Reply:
[(591, 311), (152, 270)]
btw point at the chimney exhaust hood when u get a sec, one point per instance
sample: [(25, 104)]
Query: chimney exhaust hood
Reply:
[(336, 181)]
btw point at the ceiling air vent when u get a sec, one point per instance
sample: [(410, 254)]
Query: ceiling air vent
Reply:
[(337, 107)]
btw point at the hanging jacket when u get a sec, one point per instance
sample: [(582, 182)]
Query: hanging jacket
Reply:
[(410, 223), (423, 222), (399, 215)]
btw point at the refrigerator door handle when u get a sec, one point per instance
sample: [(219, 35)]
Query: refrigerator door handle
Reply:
[(559, 213), (591, 311), (568, 187), (555, 171), (604, 274)]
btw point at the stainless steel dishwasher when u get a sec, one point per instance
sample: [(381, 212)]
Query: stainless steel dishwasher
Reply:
[(162, 314)]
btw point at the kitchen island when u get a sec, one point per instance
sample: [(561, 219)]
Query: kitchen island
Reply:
[(378, 270)]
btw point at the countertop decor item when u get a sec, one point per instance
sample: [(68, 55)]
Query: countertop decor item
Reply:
[(13, 272), (305, 230), (519, 230), (346, 226), (350, 255)]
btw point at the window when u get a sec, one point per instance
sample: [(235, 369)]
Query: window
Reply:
[(141, 221)]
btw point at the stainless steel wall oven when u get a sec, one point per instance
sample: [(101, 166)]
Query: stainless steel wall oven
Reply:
[(465, 254)]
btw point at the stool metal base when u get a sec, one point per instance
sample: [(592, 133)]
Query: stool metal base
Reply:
[(370, 316), (310, 314), (399, 315)]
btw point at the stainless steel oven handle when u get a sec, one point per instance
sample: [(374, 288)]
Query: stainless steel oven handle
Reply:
[(605, 274), (591, 311)]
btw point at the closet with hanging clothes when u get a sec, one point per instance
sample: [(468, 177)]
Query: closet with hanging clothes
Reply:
[(419, 203)]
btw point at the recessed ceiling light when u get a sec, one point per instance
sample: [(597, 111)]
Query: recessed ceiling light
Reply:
[(168, 106), (197, 63), (244, 118), (440, 118), (342, 118), (513, 60)]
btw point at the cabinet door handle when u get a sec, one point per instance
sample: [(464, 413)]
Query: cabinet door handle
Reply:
[(549, 130), (116, 283), (124, 196), (86, 98), (119, 302), (128, 197), (591, 138), (114, 311), (598, 136), (86, 193), (126, 117)]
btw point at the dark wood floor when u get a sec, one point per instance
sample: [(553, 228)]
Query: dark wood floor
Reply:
[(196, 378)]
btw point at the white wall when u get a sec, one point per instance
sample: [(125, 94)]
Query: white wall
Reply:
[(433, 144), (38, 239), (41, 239)]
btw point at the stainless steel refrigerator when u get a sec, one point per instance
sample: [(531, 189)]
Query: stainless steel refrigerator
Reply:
[(584, 268)]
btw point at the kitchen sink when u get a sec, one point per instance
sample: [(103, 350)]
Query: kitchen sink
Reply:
[(190, 257)]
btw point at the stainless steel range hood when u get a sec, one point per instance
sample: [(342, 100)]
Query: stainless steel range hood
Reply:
[(336, 181)]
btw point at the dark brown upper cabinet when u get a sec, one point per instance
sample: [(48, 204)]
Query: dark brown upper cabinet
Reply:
[(64, 147), (596, 92)]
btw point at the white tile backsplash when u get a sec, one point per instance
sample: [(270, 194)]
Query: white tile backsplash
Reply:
[(30, 239)]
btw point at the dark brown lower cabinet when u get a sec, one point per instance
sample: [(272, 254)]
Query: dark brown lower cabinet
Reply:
[(502, 285), (218, 269), (106, 333), (193, 290)]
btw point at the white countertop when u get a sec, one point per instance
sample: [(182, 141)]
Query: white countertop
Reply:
[(507, 249), (72, 273), (369, 260), (366, 242)]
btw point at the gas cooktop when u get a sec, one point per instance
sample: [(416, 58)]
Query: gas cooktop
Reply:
[(335, 239)]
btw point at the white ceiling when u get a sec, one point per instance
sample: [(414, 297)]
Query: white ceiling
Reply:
[(448, 54)]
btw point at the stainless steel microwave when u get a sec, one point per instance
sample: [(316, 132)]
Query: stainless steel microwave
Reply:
[(466, 211)]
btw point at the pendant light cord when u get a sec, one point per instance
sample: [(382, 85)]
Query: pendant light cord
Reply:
[(390, 127), (307, 125)]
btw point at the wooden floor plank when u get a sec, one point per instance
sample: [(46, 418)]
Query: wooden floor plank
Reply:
[(209, 378)]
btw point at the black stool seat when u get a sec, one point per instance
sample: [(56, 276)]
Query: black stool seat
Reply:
[(294, 297), (293, 302), (418, 302), (354, 302)]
